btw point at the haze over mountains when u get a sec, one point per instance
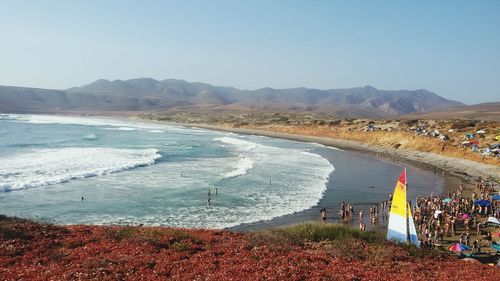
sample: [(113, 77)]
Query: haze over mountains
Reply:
[(146, 94), (489, 111)]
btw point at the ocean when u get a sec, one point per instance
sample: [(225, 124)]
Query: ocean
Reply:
[(132, 172)]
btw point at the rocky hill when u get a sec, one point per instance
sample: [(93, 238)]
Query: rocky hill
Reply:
[(146, 94)]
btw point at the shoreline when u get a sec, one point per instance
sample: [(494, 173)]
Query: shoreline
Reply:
[(451, 178), (467, 170)]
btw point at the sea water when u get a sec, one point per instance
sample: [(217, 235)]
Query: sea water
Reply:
[(81, 170)]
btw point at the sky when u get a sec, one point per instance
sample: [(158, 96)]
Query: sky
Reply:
[(448, 47)]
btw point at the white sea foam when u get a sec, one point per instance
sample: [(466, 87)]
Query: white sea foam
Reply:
[(297, 180), (90, 137), (242, 166), (51, 119), (51, 166), (126, 125), (326, 146), (122, 129), (9, 117), (241, 144)]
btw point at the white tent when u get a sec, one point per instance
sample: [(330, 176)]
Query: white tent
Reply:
[(493, 220)]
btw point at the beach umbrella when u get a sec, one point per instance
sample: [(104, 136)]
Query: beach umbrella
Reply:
[(469, 135), (495, 145), (495, 236), (497, 138), (474, 142), (447, 200), (495, 197), (483, 203), (481, 132), (458, 247)]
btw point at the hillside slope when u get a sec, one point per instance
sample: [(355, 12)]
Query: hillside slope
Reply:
[(35, 251)]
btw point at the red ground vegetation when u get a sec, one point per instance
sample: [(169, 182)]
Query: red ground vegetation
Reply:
[(32, 251)]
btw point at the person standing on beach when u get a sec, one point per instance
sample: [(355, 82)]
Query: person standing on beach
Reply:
[(323, 214)]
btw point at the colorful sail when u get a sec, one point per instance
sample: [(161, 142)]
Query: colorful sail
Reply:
[(413, 231), (397, 228)]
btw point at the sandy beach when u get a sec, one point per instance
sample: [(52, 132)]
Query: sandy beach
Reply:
[(462, 168)]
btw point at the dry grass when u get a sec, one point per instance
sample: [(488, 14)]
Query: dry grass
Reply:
[(399, 139)]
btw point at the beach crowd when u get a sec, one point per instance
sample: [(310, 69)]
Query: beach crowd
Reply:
[(440, 220), (457, 217)]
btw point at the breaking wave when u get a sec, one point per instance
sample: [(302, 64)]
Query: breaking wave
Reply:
[(242, 166), (52, 166)]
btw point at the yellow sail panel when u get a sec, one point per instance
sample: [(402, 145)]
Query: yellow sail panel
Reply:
[(397, 228), (398, 205)]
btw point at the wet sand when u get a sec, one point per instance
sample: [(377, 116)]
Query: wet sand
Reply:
[(372, 190)]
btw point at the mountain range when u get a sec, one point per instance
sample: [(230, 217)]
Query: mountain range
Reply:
[(146, 94)]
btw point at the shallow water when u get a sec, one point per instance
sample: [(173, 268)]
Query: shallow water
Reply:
[(131, 172)]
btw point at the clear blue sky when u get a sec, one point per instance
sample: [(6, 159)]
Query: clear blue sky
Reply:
[(449, 47)]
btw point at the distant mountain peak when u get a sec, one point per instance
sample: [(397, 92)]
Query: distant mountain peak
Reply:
[(144, 94), (100, 81)]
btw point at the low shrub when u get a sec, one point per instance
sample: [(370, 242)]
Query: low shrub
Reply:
[(335, 122), (462, 124), (9, 233), (120, 233), (180, 246), (299, 234)]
